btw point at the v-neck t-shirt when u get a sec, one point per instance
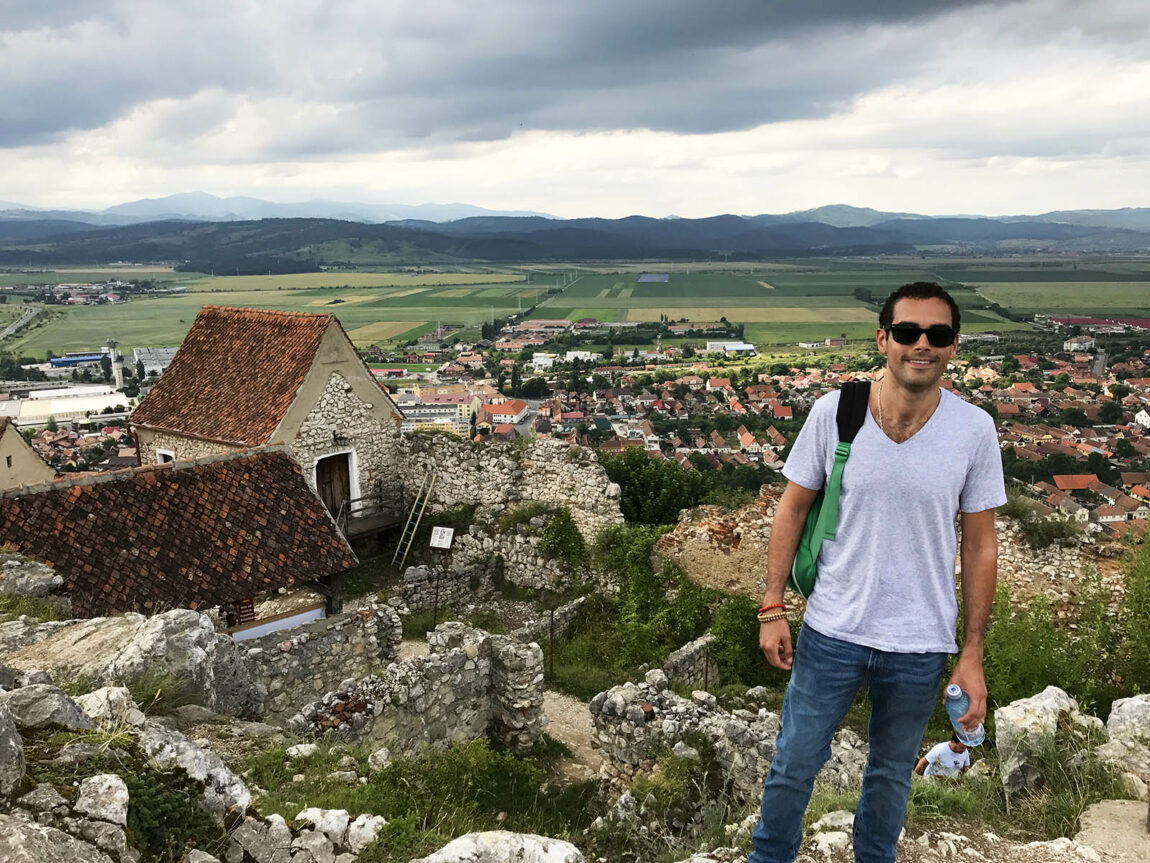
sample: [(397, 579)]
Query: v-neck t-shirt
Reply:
[(887, 579)]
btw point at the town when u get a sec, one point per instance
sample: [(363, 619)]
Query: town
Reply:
[(1073, 418)]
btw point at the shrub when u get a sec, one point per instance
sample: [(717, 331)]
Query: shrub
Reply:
[(512, 517), (561, 539), (1041, 532), (736, 649)]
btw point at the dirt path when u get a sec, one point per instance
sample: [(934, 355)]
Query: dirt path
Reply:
[(570, 722)]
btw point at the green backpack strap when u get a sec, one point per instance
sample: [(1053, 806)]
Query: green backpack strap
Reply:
[(822, 520)]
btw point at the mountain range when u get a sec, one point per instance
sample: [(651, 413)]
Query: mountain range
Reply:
[(246, 235)]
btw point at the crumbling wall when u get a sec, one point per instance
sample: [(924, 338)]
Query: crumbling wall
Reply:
[(469, 685), (632, 723), (546, 471), (693, 664), (295, 666)]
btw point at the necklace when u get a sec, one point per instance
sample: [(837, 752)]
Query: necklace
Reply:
[(881, 427)]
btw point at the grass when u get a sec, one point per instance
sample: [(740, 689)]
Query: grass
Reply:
[(38, 610), (433, 797)]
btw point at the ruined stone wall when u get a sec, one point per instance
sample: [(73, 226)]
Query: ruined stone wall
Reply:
[(693, 664), (297, 666), (480, 558), (547, 471), (469, 685), (374, 440), (540, 630), (633, 722)]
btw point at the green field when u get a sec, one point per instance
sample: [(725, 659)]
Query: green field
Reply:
[(778, 303)]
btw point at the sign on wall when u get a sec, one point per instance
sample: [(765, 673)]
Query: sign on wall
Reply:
[(441, 537)]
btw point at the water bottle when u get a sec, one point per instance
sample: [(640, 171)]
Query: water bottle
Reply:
[(957, 703)]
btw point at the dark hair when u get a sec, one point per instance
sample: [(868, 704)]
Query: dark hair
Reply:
[(917, 291), (954, 738)]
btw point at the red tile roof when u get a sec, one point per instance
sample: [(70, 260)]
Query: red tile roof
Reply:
[(190, 535), (1074, 481), (235, 375)]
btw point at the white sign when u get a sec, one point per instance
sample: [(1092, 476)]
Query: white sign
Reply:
[(441, 537)]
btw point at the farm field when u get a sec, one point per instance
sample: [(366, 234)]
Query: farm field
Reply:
[(1127, 297), (779, 303)]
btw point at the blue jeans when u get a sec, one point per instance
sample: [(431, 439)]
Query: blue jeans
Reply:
[(827, 673)]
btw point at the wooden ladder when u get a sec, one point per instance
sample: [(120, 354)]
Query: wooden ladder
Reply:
[(409, 529)]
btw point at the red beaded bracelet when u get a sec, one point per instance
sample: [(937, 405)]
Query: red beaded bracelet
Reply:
[(775, 605)]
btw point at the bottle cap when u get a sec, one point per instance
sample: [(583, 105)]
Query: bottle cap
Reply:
[(953, 690)]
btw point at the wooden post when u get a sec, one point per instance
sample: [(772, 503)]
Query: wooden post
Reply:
[(551, 648)]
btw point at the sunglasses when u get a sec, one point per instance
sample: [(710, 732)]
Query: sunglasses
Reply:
[(939, 335)]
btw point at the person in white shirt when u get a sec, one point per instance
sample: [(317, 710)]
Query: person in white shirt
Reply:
[(949, 759)]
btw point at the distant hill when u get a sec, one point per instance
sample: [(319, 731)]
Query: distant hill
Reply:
[(306, 244), (200, 206)]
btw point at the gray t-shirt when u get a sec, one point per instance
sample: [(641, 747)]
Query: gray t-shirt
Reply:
[(887, 580)]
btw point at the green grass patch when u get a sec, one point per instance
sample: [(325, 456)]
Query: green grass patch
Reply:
[(434, 797), (37, 609)]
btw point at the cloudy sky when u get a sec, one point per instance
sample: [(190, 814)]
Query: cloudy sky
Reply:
[(581, 107)]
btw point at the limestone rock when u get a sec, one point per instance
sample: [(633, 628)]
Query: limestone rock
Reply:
[(44, 798), (332, 823), (1129, 746), (379, 759), (43, 706), (223, 790), (103, 797), (27, 842), (11, 753), (111, 708), (302, 750), (118, 650), (362, 832), (1021, 727), (840, 819), (315, 843), (500, 846)]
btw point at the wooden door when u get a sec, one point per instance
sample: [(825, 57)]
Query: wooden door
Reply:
[(333, 481)]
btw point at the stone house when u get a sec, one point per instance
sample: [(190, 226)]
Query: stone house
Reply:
[(251, 377), (19, 463)]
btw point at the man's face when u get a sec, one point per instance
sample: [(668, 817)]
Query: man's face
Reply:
[(917, 366)]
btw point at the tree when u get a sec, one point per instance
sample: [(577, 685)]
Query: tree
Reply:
[(1110, 412), (140, 369), (1124, 449), (535, 388), (106, 367), (52, 425)]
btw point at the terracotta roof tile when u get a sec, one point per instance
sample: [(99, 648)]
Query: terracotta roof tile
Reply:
[(190, 535), (235, 375)]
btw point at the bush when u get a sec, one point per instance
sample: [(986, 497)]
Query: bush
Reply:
[(561, 539), (512, 517), (1041, 532), (736, 649)]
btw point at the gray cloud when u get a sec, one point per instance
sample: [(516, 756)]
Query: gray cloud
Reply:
[(447, 69)]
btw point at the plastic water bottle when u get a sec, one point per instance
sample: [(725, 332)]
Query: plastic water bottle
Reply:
[(957, 703)]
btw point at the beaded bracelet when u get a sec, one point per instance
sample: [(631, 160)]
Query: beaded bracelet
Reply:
[(771, 618)]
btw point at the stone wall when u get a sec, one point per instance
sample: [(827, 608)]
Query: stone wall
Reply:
[(374, 440), (633, 722), (470, 684), (693, 664), (540, 630), (547, 471), (185, 448), (297, 666)]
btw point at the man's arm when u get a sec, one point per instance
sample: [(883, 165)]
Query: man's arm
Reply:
[(979, 561), (921, 766), (787, 529)]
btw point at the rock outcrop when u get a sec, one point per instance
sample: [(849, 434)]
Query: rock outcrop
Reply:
[(499, 846), (117, 650)]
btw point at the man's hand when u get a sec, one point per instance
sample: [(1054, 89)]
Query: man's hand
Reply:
[(775, 642), (968, 675)]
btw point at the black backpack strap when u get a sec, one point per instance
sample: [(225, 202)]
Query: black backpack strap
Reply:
[(854, 401)]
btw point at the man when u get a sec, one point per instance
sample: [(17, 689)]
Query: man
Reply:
[(882, 616), (949, 758)]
